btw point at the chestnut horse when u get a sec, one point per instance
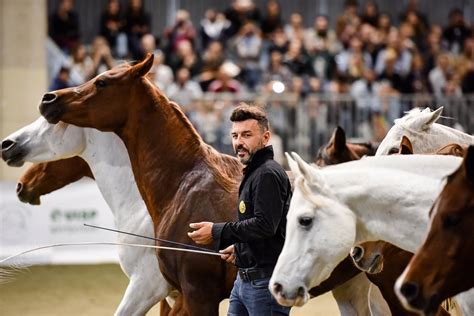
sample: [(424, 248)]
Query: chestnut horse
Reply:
[(442, 267), (43, 178), (337, 150), (181, 179)]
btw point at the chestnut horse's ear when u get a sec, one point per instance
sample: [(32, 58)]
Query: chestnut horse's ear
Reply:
[(406, 148), (469, 163), (339, 139), (141, 69)]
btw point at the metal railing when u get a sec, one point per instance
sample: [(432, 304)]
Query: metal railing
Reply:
[(303, 124)]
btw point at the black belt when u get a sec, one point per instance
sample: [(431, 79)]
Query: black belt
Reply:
[(251, 274)]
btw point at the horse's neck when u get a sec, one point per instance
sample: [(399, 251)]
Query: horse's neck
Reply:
[(163, 147), (108, 159), (390, 205), (429, 165), (439, 136)]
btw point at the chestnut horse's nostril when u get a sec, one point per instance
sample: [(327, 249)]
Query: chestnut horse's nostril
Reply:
[(49, 98), (277, 288), (7, 144), (19, 187), (410, 291), (357, 253)]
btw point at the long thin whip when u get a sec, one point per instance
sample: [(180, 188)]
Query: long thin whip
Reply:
[(152, 238), (109, 243)]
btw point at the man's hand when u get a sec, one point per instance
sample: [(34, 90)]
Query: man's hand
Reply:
[(203, 233), (228, 254)]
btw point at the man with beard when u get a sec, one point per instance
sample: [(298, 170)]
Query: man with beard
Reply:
[(255, 241)]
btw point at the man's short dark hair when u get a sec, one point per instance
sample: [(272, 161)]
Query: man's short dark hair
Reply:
[(244, 112)]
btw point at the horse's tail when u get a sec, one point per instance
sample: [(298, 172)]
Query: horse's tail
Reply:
[(10, 271)]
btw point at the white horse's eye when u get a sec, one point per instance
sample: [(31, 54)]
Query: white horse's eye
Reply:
[(305, 221)]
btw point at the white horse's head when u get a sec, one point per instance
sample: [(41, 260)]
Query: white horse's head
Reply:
[(416, 125), (41, 141), (319, 234)]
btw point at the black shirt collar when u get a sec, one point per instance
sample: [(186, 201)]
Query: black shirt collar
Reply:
[(262, 155)]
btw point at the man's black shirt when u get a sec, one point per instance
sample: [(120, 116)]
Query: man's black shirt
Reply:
[(264, 199)]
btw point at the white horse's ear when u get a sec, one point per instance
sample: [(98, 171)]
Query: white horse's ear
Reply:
[(432, 117), (293, 165), (306, 170)]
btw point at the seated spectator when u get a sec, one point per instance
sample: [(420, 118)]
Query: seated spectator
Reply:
[(63, 26), (294, 30), (224, 81), (351, 62), (111, 28), (246, 47), (61, 80), (456, 32), (416, 81), (212, 27), (184, 91), (137, 24), (240, 12), (390, 75), (438, 76), (82, 66), (101, 55), (321, 37), (348, 17), (182, 31), (185, 56), (385, 26), (371, 13), (403, 55), (213, 58), (272, 19), (412, 8), (279, 41), (297, 60), (161, 74), (148, 46), (276, 72), (419, 29)]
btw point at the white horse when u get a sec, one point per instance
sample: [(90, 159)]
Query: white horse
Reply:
[(425, 135), (377, 198), (110, 164)]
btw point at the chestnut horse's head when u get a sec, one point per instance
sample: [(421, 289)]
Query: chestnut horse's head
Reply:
[(442, 267), (336, 151), (46, 177), (104, 101)]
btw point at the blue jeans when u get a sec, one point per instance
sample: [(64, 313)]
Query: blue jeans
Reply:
[(254, 299)]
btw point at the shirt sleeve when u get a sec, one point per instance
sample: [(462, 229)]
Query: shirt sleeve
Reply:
[(269, 202)]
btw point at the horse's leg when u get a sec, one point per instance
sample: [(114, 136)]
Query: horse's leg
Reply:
[(142, 294), (196, 301), (352, 297), (377, 303)]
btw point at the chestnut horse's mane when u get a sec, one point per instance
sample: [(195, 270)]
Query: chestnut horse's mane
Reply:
[(226, 170)]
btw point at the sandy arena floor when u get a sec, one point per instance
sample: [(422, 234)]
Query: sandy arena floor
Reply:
[(92, 290)]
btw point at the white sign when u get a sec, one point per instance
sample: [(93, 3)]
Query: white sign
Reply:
[(59, 219)]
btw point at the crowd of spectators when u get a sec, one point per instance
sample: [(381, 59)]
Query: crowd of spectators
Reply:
[(245, 49)]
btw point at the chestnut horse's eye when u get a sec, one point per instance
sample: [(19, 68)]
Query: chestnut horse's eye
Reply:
[(100, 83), (451, 220), (305, 221)]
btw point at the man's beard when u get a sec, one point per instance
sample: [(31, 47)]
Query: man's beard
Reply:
[(248, 159)]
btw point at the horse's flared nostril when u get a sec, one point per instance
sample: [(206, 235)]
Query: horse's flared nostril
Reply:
[(301, 291), (410, 291), (277, 288), (357, 253), (49, 97), (7, 144), (19, 188)]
